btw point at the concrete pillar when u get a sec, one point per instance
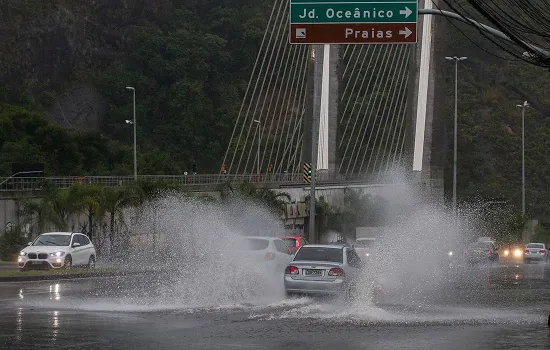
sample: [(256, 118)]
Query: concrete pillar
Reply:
[(333, 103), (333, 107)]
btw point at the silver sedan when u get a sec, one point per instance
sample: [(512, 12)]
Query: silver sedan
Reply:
[(323, 269)]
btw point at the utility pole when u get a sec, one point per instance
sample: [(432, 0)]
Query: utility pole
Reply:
[(134, 122), (455, 148), (314, 148), (523, 106)]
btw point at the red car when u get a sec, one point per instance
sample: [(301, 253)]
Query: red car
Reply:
[(294, 242)]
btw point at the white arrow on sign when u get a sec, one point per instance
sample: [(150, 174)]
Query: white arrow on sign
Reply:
[(407, 12), (406, 32)]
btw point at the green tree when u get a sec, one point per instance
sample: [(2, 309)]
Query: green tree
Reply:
[(115, 200), (88, 198), (11, 241), (53, 209)]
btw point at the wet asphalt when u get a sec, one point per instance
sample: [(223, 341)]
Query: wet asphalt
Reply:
[(502, 306)]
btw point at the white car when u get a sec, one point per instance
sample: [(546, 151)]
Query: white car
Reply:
[(54, 250), (268, 251), (535, 252)]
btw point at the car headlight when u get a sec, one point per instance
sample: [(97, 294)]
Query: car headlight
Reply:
[(23, 253), (57, 254), (506, 252), (518, 252), (450, 253)]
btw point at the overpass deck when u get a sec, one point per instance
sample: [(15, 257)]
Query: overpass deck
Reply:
[(198, 182)]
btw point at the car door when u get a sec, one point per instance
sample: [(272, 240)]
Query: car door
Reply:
[(79, 252), (88, 248), (285, 255)]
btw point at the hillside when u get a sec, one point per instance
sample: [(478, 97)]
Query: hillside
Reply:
[(189, 60)]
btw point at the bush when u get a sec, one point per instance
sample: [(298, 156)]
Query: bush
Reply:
[(11, 242)]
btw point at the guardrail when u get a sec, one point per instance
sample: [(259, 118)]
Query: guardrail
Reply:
[(36, 183)]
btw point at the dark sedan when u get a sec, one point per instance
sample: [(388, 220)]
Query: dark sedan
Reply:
[(480, 252)]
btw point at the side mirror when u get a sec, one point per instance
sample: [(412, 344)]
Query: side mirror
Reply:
[(76, 245)]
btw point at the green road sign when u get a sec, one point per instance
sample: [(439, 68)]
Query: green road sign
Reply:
[(353, 21), (353, 12)]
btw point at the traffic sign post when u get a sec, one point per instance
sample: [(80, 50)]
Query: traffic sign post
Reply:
[(353, 22)]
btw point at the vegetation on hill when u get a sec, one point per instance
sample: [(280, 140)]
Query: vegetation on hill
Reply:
[(190, 61)]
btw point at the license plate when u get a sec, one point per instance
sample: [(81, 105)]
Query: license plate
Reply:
[(313, 272), (36, 262)]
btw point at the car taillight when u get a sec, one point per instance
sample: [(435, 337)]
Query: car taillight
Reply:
[(269, 256), (542, 251), (526, 251), (336, 271), (291, 270), (489, 252)]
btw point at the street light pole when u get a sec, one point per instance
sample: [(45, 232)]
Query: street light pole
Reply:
[(523, 106), (259, 144), (135, 134), (455, 148)]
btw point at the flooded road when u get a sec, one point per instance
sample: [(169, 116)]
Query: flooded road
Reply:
[(503, 306)]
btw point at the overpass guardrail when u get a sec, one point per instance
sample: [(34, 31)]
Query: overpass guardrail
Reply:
[(212, 180)]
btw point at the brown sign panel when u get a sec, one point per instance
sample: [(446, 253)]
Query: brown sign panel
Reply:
[(353, 33)]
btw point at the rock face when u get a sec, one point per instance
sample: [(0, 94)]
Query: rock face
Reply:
[(80, 107), (47, 46)]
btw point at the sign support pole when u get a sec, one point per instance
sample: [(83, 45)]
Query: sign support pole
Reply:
[(314, 148)]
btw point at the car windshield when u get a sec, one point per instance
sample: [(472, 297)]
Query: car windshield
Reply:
[(319, 254), (535, 245), (257, 243), (53, 240), (291, 242), (364, 243)]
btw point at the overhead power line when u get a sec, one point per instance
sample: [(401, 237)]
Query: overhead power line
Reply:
[(526, 23)]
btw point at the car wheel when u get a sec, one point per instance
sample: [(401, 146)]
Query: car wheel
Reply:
[(91, 262), (68, 262)]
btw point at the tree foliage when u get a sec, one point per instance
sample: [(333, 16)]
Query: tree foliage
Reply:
[(189, 62)]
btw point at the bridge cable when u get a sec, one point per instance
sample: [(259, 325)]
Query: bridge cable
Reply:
[(285, 130), (283, 85), (272, 93), (357, 107), (300, 109), (370, 92), (251, 125), (391, 98), (400, 102), (377, 95), (294, 117), (254, 93), (247, 89), (355, 81)]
